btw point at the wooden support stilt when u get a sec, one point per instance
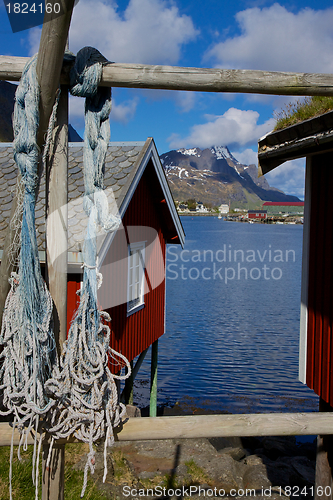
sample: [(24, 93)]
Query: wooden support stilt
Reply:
[(153, 380), (324, 462), (54, 478), (128, 389), (134, 373)]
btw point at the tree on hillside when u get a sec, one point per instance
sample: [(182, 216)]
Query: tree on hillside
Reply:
[(192, 204)]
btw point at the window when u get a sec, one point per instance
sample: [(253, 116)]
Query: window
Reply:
[(136, 274)]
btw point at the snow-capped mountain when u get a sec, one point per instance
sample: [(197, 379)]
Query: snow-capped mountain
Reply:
[(213, 175)]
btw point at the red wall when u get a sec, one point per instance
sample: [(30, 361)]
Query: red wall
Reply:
[(257, 215), (142, 222), (319, 374)]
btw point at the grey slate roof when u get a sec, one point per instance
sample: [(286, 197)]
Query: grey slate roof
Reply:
[(122, 162)]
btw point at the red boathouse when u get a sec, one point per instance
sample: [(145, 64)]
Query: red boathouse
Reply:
[(312, 138), (133, 259)]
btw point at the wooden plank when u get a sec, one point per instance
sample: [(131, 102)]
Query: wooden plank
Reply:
[(324, 461), (196, 79), (196, 426), (207, 426)]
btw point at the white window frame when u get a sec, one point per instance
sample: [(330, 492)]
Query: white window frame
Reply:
[(134, 304)]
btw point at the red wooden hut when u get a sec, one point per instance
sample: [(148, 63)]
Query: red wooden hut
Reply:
[(314, 139), (132, 259), (257, 214)]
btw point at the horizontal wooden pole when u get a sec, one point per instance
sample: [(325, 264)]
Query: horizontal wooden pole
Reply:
[(197, 79), (208, 426)]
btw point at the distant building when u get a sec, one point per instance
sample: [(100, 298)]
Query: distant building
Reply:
[(284, 207), (201, 207), (257, 214), (224, 208)]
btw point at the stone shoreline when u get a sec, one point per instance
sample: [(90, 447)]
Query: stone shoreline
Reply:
[(269, 467)]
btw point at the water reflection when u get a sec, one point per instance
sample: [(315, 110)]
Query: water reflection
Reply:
[(232, 325)]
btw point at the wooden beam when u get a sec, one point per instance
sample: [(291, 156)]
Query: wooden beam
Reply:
[(208, 426), (196, 426), (216, 80), (146, 76)]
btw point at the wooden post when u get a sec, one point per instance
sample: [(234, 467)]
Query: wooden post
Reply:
[(56, 258), (128, 389), (153, 380), (133, 374), (49, 63), (324, 461)]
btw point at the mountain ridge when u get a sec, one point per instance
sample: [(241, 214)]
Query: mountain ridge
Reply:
[(214, 176)]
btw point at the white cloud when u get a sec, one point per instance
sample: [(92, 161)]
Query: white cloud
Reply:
[(34, 38), (121, 113), (185, 101), (274, 38), (124, 111), (289, 177), (147, 31), (76, 107), (235, 127), (246, 157)]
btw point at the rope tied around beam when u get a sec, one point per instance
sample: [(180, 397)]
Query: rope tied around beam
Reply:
[(29, 349), (84, 387)]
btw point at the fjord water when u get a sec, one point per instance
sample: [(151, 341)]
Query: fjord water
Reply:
[(232, 319)]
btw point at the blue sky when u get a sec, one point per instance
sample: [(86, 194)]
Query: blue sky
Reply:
[(244, 34)]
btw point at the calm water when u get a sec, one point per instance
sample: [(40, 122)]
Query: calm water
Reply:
[(232, 321)]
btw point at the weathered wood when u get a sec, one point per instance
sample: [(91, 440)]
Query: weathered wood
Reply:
[(127, 394), (153, 380), (133, 375), (324, 461), (207, 426), (57, 219), (56, 259), (53, 485), (197, 79), (50, 60), (196, 426), (296, 141)]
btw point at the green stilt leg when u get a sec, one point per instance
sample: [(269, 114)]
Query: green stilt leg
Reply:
[(153, 380)]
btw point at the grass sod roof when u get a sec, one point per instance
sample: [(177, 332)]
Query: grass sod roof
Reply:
[(301, 110), (307, 137)]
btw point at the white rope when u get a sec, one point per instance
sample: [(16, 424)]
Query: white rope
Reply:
[(84, 388), (79, 395), (29, 349)]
